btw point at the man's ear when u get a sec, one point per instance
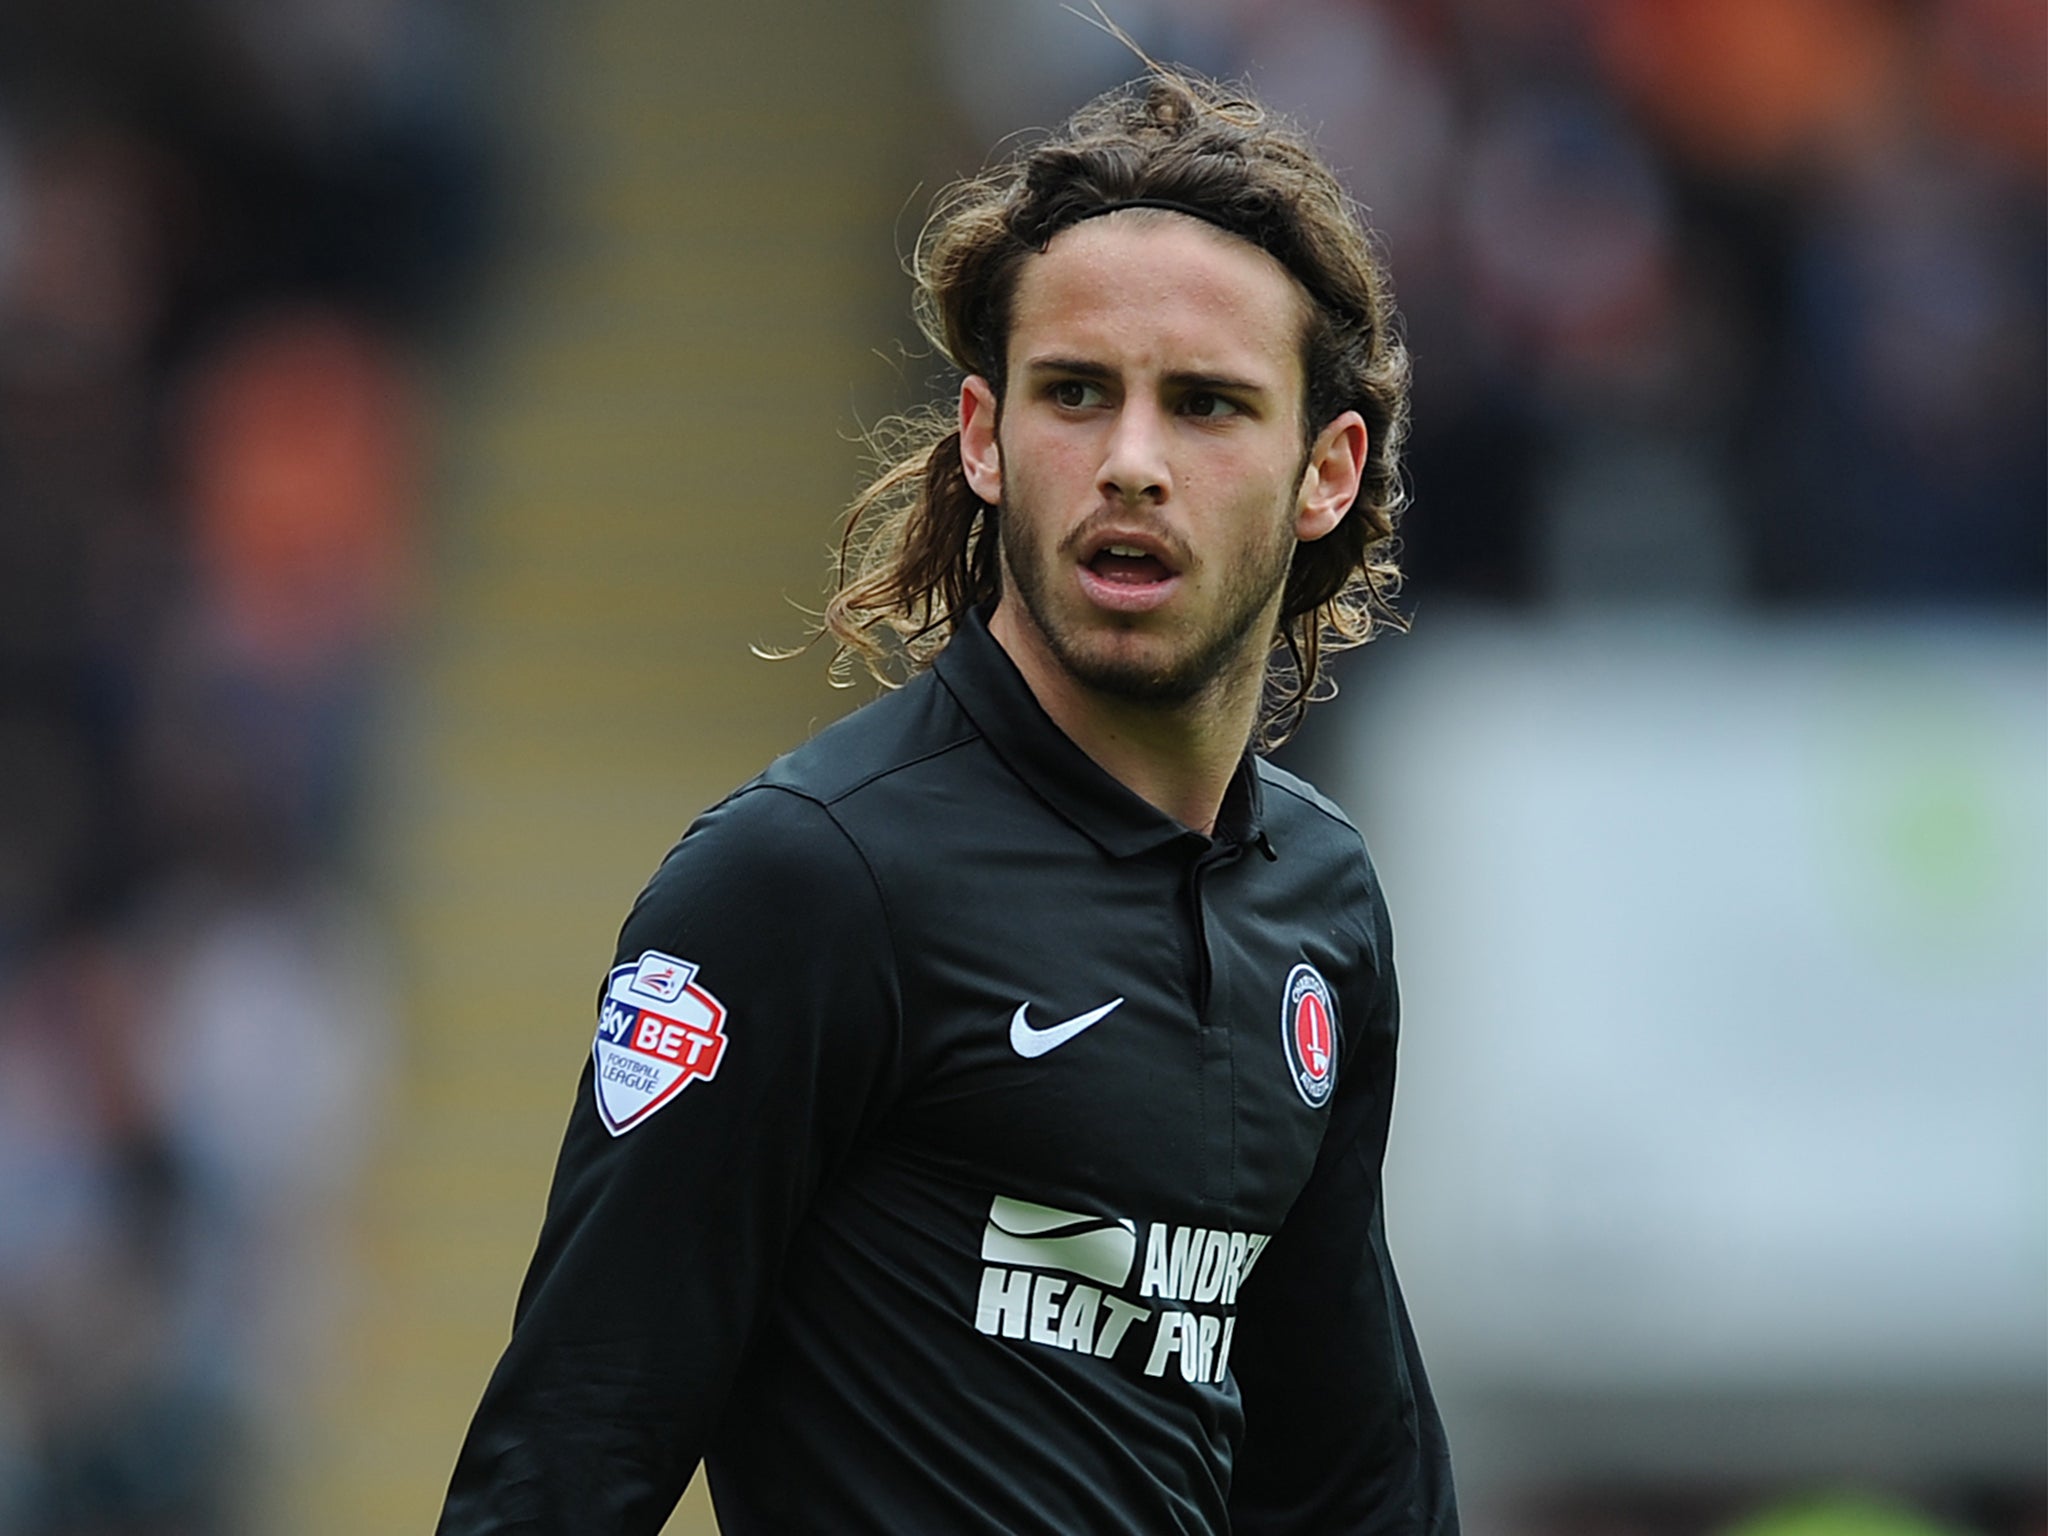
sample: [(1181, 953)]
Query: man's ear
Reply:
[(980, 455), (1330, 479)]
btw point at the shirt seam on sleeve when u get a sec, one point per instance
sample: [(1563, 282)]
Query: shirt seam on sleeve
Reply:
[(888, 917)]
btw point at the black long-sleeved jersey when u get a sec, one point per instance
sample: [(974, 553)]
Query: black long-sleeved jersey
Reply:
[(967, 1146)]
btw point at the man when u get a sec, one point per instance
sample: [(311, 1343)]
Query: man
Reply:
[(984, 1125)]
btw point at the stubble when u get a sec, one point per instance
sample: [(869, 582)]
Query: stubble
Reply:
[(1232, 641)]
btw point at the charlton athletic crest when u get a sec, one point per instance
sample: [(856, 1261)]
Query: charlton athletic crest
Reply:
[(657, 1032), (1308, 1033)]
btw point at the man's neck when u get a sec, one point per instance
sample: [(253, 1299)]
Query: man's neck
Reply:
[(1179, 758)]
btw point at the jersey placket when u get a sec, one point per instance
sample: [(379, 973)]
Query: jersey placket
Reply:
[(1213, 1037)]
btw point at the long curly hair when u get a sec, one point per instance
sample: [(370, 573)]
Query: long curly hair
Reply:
[(919, 548)]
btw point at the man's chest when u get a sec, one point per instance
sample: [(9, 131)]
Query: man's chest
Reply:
[(1157, 1038)]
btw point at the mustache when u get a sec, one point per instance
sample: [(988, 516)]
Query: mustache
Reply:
[(1121, 520)]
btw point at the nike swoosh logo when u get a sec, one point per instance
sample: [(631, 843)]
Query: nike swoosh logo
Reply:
[(1028, 1042)]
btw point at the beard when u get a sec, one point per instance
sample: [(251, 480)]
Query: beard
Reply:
[(1234, 637)]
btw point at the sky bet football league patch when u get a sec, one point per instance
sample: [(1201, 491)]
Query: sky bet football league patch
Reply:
[(657, 1032)]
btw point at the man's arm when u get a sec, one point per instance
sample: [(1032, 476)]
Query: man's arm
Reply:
[(663, 1244), (1342, 1436)]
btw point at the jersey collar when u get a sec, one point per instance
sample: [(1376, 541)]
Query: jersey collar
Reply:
[(986, 684)]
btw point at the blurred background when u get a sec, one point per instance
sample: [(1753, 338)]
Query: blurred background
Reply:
[(411, 411)]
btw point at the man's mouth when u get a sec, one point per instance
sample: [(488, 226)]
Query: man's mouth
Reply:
[(1128, 565), (1126, 572)]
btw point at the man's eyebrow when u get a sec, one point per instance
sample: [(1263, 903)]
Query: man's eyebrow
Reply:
[(1219, 383), (1082, 368), (1076, 367)]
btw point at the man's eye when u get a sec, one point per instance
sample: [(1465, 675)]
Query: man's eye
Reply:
[(1073, 394), (1209, 406)]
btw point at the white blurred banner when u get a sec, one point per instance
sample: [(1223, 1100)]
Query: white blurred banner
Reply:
[(1724, 959)]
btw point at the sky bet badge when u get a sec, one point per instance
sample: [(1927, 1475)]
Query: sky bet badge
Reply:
[(1308, 1030), (657, 1032)]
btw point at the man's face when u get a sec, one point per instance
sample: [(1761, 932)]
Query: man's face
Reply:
[(1149, 465)]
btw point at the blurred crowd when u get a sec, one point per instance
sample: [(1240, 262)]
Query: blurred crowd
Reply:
[(231, 232), (1712, 302)]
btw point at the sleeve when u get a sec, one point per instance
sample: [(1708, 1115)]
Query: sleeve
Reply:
[(663, 1242), (1341, 1436)]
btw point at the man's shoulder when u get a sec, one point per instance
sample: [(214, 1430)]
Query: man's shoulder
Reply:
[(910, 726), (1328, 851), (1301, 818), (1294, 802), (799, 833)]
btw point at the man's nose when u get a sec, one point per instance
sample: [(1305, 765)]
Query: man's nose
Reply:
[(1134, 461)]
